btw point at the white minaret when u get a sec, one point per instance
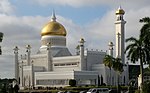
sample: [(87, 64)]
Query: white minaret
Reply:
[(28, 47), (16, 64), (120, 37), (110, 51), (82, 62), (49, 58)]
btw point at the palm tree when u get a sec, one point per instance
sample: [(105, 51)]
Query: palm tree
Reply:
[(118, 67), (136, 51), (145, 30), (145, 35), (108, 61)]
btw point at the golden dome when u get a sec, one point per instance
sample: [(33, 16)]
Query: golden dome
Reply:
[(120, 11), (53, 28)]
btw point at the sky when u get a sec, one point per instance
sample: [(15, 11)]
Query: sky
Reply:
[(21, 21)]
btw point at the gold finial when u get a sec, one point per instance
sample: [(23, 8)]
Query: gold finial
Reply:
[(16, 48), (28, 46), (120, 11), (111, 44), (82, 40)]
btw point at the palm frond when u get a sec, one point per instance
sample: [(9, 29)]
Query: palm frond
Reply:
[(131, 39)]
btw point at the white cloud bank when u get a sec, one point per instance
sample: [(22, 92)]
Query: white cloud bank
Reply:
[(6, 7), (93, 3)]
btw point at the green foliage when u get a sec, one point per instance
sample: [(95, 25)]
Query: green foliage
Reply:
[(137, 91), (108, 61), (145, 36), (114, 63), (131, 89), (5, 85), (118, 66), (139, 49), (146, 87), (72, 82)]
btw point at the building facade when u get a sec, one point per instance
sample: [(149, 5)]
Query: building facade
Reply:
[(54, 65)]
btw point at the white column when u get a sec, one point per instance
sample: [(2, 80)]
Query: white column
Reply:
[(28, 47), (16, 64), (49, 58), (120, 40), (21, 79), (32, 73), (82, 62), (118, 45)]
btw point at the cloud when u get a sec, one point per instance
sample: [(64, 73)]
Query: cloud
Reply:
[(6, 7), (93, 3), (18, 31)]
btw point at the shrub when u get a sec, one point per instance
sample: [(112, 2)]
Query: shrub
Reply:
[(72, 82), (146, 87)]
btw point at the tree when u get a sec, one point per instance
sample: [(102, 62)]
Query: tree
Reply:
[(72, 82), (16, 88), (136, 51), (145, 36), (108, 61), (146, 87), (145, 30), (118, 67)]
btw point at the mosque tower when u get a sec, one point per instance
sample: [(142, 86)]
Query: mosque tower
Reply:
[(120, 36)]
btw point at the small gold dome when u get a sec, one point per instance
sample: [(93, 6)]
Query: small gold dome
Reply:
[(110, 43), (120, 11), (82, 40), (53, 28)]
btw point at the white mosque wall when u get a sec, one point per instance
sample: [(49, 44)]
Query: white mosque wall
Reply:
[(28, 76), (105, 73), (62, 78), (101, 69), (67, 63), (40, 60), (55, 40), (94, 57)]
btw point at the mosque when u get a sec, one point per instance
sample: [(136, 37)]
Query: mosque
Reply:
[(54, 65)]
